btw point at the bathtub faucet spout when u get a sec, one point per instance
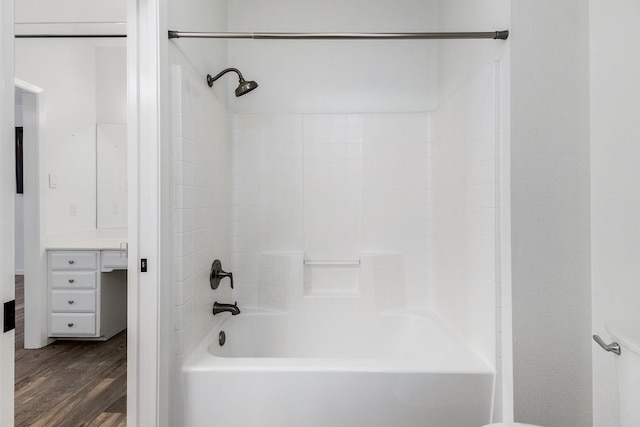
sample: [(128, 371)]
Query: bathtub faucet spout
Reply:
[(221, 308)]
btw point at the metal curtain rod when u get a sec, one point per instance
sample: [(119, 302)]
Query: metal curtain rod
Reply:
[(69, 36), (501, 35)]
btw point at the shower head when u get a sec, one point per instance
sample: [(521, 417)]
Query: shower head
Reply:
[(244, 86)]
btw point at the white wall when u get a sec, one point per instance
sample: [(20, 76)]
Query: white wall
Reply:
[(334, 76), (550, 212), (19, 246), (70, 11), (615, 185), (66, 70), (457, 60), (206, 56)]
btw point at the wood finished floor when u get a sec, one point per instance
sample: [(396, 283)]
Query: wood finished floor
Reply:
[(69, 383)]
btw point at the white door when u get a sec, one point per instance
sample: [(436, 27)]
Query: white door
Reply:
[(7, 194)]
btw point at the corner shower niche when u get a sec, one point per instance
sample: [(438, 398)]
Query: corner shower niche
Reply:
[(374, 282)]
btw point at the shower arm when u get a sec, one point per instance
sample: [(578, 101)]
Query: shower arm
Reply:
[(210, 79)]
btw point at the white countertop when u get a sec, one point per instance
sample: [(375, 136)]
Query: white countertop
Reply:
[(91, 240), (87, 245)]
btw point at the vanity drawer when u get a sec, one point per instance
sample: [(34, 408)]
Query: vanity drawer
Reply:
[(113, 260), (74, 279), (69, 260), (69, 324), (73, 301)]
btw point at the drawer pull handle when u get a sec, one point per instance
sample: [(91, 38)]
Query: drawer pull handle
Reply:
[(71, 261), (70, 301), (70, 325), (71, 280)]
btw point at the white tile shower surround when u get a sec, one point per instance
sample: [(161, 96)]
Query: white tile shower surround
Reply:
[(464, 217), (338, 187), (202, 161), (334, 187), (287, 283)]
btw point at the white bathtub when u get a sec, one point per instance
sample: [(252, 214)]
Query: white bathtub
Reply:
[(305, 370)]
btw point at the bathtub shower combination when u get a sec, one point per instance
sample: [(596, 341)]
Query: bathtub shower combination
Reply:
[(305, 369), (377, 364)]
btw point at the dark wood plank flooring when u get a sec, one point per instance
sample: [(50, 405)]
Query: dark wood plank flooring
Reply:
[(69, 383)]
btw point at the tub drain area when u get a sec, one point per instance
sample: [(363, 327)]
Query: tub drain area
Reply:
[(222, 338)]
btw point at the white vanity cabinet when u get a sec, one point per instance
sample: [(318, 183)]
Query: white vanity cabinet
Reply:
[(87, 293)]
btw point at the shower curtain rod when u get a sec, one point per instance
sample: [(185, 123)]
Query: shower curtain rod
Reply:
[(69, 36), (501, 35)]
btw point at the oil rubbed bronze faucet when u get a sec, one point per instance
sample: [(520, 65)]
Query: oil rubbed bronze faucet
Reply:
[(218, 274), (221, 308)]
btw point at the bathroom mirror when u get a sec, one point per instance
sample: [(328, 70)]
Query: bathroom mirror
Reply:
[(111, 136), (111, 175)]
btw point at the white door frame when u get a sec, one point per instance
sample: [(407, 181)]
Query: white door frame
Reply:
[(35, 261), (7, 209), (143, 53)]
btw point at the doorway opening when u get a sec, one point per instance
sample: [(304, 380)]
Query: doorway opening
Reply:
[(69, 381)]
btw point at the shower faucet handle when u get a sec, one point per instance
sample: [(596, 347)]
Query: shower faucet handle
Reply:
[(218, 274)]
